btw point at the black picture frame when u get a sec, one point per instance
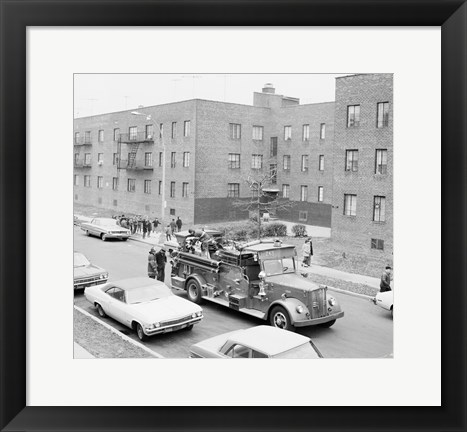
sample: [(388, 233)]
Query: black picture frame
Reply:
[(451, 15)]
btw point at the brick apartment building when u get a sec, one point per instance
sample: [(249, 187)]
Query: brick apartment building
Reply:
[(211, 147)]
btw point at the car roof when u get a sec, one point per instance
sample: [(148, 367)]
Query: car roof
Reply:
[(136, 282), (105, 219), (269, 340)]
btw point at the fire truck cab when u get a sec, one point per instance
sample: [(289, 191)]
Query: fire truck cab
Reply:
[(261, 279)]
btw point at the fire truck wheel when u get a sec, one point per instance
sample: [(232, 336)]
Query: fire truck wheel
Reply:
[(194, 291), (280, 318), (328, 324)]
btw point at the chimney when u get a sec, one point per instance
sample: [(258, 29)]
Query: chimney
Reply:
[(269, 88)]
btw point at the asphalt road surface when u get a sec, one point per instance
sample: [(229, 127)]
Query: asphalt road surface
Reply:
[(366, 331)]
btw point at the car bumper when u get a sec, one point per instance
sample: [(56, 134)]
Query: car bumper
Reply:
[(118, 236), (81, 285), (174, 327), (316, 321)]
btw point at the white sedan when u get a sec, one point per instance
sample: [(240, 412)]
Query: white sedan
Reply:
[(145, 305), (385, 300), (257, 342), (105, 228)]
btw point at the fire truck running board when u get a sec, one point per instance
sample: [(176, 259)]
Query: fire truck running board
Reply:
[(223, 302)]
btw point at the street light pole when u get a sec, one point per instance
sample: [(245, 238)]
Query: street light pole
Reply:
[(161, 134)]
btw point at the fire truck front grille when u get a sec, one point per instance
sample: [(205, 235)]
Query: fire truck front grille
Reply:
[(318, 303)]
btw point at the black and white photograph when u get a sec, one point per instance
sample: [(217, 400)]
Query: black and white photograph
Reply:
[(232, 215)]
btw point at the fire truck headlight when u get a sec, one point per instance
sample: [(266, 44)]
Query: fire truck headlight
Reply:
[(332, 301), (299, 309)]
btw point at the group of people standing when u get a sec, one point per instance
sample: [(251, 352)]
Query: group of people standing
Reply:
[(173, 227), (143, 225), (156, 264)]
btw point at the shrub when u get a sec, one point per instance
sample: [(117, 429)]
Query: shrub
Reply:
[(275, 229), (299, 230)]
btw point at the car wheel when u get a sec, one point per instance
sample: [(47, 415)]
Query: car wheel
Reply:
[(100, 311), (87, 233), (328, 324), (139, 331), (190, 327), (392, 312), (103, 237), (280, 318), (194, 291), (124, 239)]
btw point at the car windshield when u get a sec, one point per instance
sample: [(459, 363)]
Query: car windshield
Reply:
[(301, 352), (147, 293), (279, 266), (79, 260)]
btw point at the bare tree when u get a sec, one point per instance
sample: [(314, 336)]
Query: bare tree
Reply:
[(264, 196)]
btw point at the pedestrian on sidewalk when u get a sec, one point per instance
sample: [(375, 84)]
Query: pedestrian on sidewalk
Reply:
[(310, 257), (149, 227), (155, 224), (306, 253), (161, 260), (152, 266), (385, 284), (178, 222), (168, 231), (173, 226), (145, 228)]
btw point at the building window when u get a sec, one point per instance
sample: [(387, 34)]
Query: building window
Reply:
[(351, 160), (353, 115), (322, 131), (256, 161), (161, 157), (185, 190), (160, 187), (76, 159), (174, 130), (87, 159), (273, 173), (76, 137), (302, 216), (273, 147), (161, 129), (87, 137), (285, 191), (235, 131), (258, 133), (115, 203), (115, 159), (382, 117), (286, 162), (320, 193), (87, 181), (306, 132), (131, 185), (186, 128), (350, 205), (114, 183), (100, 182), (76, 180), (186, 159), (379, 209), (381, 165), (116, 134), (149, 132), (233, 190), (304, 162), (172, 189), (321, 163), (148, 159), (377, 244), (303, 193), (147, 186), (100, 136), (172, 212), (172, 159), (287, 132), (100, 158), (133, 133), (234, 160)]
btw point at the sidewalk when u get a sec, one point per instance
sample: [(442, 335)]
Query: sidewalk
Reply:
[(80, 353), (153, 240)]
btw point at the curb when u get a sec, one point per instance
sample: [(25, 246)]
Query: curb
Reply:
[(124, 337), (351, 293)]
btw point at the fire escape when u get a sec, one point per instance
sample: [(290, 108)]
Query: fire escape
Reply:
[(132, 142), (80, 144)]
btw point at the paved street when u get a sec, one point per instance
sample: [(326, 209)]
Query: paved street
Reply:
[(366, 331)]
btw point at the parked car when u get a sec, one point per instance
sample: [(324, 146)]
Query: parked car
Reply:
[(257, 342), (105, 228), (145, 305), (385, 300), (79, 219), (86, 274)]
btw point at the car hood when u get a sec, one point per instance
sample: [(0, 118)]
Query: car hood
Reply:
[(163, 309), (86, 271), (212, 345), (293, 280)]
